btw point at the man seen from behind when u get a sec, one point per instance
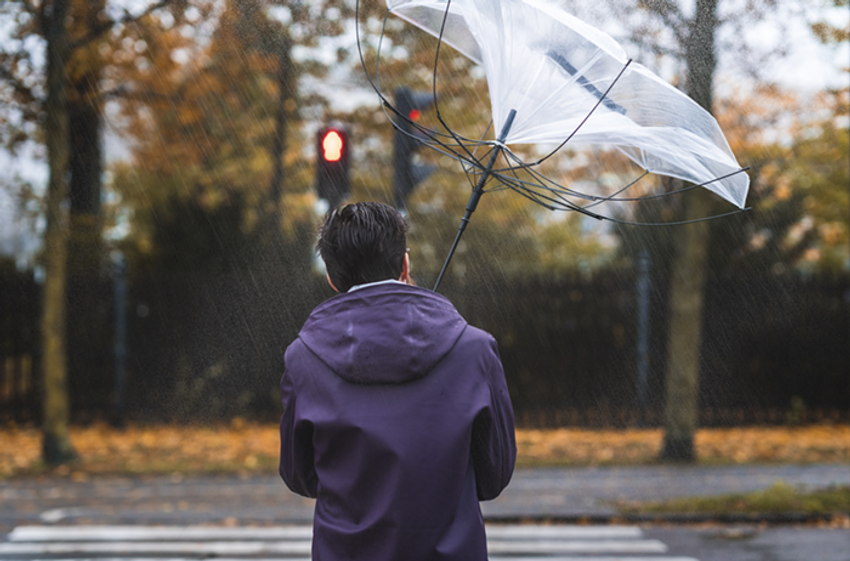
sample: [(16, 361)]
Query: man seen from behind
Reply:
[(396, 415)]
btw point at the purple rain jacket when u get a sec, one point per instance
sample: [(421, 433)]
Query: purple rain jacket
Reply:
[(398, 421)]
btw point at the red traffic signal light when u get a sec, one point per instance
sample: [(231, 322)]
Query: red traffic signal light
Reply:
[(333, 156), (408, 139), (332, 146)]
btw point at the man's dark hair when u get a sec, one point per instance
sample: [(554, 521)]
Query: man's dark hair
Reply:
[(361, 243)]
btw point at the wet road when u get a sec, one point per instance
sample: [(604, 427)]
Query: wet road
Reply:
[(533, 493), (506, 542)]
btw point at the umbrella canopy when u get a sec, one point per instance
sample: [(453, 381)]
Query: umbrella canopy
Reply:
[(565, 79)]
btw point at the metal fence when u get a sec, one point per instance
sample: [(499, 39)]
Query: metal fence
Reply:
[(769, 343), (19, 349), (198, 348)]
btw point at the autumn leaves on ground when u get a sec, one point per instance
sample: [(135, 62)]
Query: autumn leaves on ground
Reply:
[(245, 448)]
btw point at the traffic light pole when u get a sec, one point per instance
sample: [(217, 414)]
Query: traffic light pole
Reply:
[(333, 157), (406, 173), (472, 204)]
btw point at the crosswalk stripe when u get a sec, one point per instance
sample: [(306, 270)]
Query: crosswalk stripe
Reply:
[(561, 532), (139, 533), (210, 547), (160, 558), (524, 547), (293, 543), (535, 558), (512, 547), (567, 558)]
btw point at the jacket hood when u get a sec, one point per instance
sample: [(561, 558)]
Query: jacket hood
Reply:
[(384, 334)]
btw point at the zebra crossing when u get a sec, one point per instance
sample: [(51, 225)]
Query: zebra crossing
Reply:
[(292, 543)]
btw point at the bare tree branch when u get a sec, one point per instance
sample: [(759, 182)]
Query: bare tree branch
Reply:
[(22, 91), (672, 17), (123, 91), (127, 18), (641, 36), (30, 8), (27, 113)]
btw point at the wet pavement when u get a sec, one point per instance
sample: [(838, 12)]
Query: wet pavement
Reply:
[(590, 492), (534, 493)]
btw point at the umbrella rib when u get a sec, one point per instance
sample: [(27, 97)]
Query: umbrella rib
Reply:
[(529, 190), (584, 82), (465, 155), (431, 133), (683, 189), (574, 208), (532, 185), (476, 194), (444, 148), (586, 117), (680, 222), (613, 196), (565, 205), (543, 180), (468, 172), (439, 114), (558, 191), (376, 82), (517, 183)]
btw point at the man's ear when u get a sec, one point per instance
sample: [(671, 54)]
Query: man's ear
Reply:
[(405, 269), (330, 282)]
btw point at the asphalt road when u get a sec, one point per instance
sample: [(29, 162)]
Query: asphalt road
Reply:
[(563, 493), (754, 543), (534, 496), (517, 542), (577, 492)]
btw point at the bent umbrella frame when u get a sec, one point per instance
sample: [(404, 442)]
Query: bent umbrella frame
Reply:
[(554, 79)]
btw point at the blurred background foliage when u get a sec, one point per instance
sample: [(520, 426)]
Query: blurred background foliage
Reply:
[(193, 135)]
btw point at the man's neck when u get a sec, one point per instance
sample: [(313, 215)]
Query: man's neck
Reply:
[(359, 286)]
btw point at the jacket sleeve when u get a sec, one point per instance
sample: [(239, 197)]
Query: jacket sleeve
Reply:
[(493, 437), (296, 444)]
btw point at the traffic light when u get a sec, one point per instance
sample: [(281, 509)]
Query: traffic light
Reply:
[(406, 173), (333, 156)]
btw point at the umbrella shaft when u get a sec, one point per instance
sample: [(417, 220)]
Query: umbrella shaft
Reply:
[(472, 204)]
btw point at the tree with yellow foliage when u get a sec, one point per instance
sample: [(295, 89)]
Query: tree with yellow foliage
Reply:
[(217, 129), (61, 98)]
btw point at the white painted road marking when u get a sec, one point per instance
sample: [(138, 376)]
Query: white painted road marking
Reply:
[(181, 543), (301, 547), (145, 533)]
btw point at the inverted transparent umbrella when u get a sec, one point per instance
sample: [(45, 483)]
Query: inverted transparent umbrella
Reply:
[(553, 79)]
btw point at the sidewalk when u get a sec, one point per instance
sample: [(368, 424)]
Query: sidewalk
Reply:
[(534, 493), (588, 492)]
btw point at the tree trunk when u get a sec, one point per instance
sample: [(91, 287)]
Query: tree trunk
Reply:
[(685, 331), (56, 444), (687, 283), (285, 106), (88, 326)]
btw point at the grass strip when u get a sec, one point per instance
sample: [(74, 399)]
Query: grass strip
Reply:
[(779, 498)]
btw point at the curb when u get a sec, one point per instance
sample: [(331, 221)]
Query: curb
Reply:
[(771, 519)]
